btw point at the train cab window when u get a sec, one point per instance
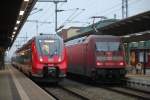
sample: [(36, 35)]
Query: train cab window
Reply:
[(101, 46), (50, 47), (107, 46), (114, 46), (79, 41), (83, 40), (121, 47), (45, 49), (76, 41)]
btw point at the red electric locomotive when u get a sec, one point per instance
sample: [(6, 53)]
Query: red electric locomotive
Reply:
[(42, 57), (96, 56)]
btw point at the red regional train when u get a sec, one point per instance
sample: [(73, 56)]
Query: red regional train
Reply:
[(96, 56), (42, 57)]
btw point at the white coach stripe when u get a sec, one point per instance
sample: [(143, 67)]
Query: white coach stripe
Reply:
[(21, 91)]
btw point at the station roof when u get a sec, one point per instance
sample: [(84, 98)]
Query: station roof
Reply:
[(140, 36), (130, 25), (10, 14), (97, 25)]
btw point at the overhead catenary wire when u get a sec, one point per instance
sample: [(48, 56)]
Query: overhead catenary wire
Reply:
[(105, 12), (45, 9), (47, 17), (36, 10), (130, 2), (61, 4), (89, 17), (119, 9), (70, 18), (72, 14), (79, 13), (114, 8)]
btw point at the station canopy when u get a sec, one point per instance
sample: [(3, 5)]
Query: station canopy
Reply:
[(134, 24), (13, 15)]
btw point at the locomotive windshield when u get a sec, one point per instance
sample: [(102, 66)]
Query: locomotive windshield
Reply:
[(50, 47), (108, 46)]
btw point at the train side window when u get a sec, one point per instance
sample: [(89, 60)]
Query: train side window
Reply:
[(83, 40), (76, 41), (121, 46), (79, 41)]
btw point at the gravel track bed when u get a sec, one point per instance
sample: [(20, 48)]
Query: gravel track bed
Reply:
[(131, 92), (94, 92)]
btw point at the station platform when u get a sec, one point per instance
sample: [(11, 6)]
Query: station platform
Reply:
[(138, 76), (16, 86), (139, 79)]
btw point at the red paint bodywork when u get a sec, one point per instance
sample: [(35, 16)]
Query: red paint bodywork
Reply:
[(34, 67), (82, 57)]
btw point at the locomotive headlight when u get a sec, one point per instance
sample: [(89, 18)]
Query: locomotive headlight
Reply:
[(41, 59), (99, 63), (121, 63), (59, 59)]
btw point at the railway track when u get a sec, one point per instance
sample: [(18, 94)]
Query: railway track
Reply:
[(136, 93), (61, 93), (139, 89), (94, 92), (72, 90)]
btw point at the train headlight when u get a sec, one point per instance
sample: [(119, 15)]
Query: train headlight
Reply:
[(59, 59), (121, 63), (41, 59), (99, 63)]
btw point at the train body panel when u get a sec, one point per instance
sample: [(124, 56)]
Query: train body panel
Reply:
[(43, 57), (77, 60), (96, 56)]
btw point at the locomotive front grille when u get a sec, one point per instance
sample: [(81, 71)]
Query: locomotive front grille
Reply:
[(50, 71), (111, 73)]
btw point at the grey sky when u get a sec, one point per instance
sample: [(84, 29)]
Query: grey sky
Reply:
[(92, 8)]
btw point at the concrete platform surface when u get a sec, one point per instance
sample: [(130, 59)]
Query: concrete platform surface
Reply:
[(16, 86), (138, 76), (139, 79)]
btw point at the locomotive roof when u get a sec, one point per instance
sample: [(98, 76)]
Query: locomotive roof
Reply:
[(99, 36), (103, 37), (48, 36)]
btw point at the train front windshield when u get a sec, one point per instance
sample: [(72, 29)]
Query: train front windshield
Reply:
[(108, 46), (50, 48)]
